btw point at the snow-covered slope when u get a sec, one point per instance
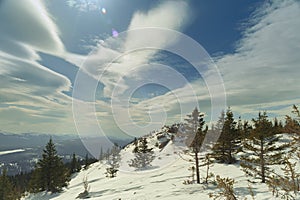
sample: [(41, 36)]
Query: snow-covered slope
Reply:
[(163, 181)]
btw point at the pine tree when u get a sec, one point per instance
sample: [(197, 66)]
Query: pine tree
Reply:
[(260, 149), (228, 142), (278, 128), (7, 192), (75, 165), (113, 161), (247, 128), (287, 186), (86, 161), (143, 155), (101, 155), (50, 173), (196, 133), (226, 186)]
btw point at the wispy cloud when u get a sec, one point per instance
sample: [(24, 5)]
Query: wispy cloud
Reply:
[(29, 91), (31, 24), (263, 73), (124, 64), (265, 67)]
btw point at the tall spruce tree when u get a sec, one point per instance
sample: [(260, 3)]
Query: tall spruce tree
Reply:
[(194, 127), (50, 173), (261, 149), (228, 142)]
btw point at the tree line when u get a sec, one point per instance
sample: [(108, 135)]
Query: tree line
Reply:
[(257, 143)]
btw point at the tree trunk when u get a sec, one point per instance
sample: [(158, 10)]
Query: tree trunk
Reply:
[(197, 167), (207, 171), (262, 162)]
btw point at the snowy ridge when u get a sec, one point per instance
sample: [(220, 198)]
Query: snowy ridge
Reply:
[(164, 180)]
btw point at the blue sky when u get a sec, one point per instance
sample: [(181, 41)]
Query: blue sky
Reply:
[(57, 74)]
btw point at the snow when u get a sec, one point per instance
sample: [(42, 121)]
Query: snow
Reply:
[(164, 180), (11, 151)]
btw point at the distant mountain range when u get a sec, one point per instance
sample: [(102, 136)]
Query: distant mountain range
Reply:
[(20, 152)]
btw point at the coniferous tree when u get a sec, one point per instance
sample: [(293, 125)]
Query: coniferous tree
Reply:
[(75, 165), (228, 142), (86, 161), (261, 149), (113, 161), (143, 154), (287, 186), (247, 128), (278, 127), (7, 191), (101, 156), (196, 133), (227, 191), (50, 173)]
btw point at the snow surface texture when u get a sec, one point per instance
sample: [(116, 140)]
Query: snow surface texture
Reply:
[(164, 180)]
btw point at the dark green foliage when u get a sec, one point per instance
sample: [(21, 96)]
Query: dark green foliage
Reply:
[(21, 182), (261, 150), (75, 164), (7, 191), (229, 141), (101, 155), (247, 128), (50, 173), (88, 161), (143, 154)]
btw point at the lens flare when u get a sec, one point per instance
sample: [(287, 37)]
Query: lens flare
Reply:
[(103, 10), (115, 33)]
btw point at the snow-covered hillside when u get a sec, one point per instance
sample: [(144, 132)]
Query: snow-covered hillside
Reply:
[(164, 180)]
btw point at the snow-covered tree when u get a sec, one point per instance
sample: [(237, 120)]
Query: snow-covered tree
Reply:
[(86, 186), (261, 149), (113, 161), (143, 154)]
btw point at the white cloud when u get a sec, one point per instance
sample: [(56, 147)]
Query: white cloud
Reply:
[(31, 94), (112, 59), (262, 73), (265, 67), (31, 24), (120, 68)]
